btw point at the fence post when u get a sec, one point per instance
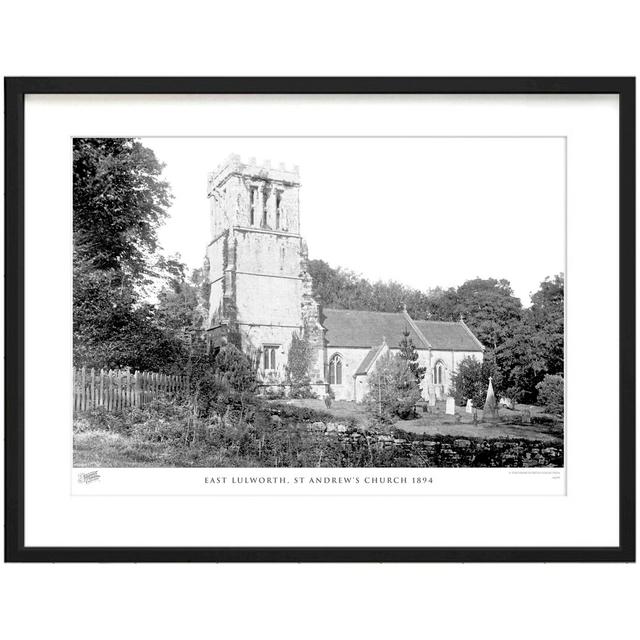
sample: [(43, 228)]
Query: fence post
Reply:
[(84, 388), (136, 391), (115, 390)]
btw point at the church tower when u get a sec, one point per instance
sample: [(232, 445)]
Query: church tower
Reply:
[(260, 291)]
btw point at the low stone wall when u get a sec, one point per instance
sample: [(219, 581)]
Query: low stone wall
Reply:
[(443, 451)]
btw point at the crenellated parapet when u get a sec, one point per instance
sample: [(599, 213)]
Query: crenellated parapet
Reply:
[(254, 195)]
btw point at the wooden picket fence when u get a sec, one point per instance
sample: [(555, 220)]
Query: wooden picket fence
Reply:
[(115, 390)]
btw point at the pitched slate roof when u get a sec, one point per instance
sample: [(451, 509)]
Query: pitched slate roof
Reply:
[(349, 328), (448, 336), (366, 329), (369, 359)]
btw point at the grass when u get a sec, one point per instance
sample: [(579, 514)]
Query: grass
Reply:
[(281, 434), (340, 410), (510, 425)]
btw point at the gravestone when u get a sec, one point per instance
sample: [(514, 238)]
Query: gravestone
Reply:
[(451, 406), (432, 399), (526, 416), (490, 411), (469, 408)]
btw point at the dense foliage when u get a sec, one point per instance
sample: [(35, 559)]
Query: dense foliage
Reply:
[(119, 201), (220, 380), (298, 367), (393, 389), (471, 380), (551, 394), (409, 354)]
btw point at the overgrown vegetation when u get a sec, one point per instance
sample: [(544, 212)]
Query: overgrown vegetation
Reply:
[(168, 434)]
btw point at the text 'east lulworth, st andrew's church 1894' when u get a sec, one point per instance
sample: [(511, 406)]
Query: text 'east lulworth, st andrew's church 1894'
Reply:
[(261, 294)]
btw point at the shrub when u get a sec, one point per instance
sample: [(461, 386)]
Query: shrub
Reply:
[(471, 380), (223, 378), (276, 393), (551, 394), (394, 390), (298, 366)]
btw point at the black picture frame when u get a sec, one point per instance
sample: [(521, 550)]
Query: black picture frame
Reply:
[(15, 91)]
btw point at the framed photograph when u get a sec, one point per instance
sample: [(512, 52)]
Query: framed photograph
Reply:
[(320, 319)]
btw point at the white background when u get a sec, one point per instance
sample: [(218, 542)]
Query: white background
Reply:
[(458, 38)]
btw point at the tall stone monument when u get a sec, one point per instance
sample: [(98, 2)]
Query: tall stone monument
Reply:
[(490, 411)]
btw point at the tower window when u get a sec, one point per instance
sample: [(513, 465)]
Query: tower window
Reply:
[(265, 199), (253, 201), (278, 208), (335, 369), (269, 357)]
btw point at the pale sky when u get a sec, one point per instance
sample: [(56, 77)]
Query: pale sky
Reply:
[(426, 212)]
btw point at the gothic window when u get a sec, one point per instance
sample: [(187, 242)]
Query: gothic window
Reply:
[(335, 369), (269, 357), (253, 201), (439, 373), (265, 200), (278, 208)]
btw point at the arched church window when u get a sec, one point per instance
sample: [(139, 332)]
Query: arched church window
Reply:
[(265, 202), (439, 373), (253, 202), (278, 208), (269, 357), (335, 369)]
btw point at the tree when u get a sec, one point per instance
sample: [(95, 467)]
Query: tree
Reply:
[(551, 394), (443, 304), (471, 379), (535, 347), (410, 354), (180, 302), (547, 311), (298, 366), (119, 200), (393, 391), (489, 309), (219, 379)]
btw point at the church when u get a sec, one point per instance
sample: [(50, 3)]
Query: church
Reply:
[(261, 294)]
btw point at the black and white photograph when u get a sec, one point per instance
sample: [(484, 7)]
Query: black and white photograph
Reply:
[(320, 321), (329, 321), (391, 301)]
